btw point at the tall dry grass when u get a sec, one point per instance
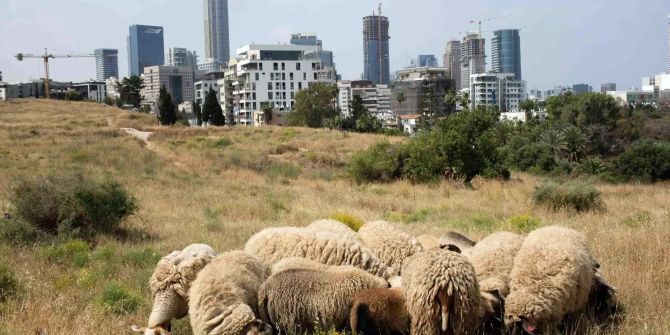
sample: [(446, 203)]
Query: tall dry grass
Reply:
[(220, 186)]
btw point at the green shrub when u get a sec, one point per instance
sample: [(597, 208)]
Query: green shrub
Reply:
[(17, 231), (421, 162), (536, 156), (354, 222), (382, 162), (221, 143), (645, 160), (282, 170), (72, 204), (76, 253), (576, 195), (524, 223), (118, 300), (143, 258), (10, 287), (592, 167)]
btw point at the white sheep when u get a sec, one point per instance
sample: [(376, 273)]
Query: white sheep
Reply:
[(461, 242), (223, 299), (275, 244), (493, 259), (390, 244), (552, 277), (170, 284), (332, 226), (301, 300), (428, 241)]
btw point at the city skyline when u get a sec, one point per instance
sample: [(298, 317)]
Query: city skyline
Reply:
[(562, 43)]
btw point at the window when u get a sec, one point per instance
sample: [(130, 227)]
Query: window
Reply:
[(299, 86), (260, 66), (291, 75), (283, 86), (283, 76), (297, 66), (269, 86), (292, 86), (269, 95), (315, 76), (253, 96), (283, 66), (292, 95), (272, 76), (304, 76), (253, 86), (278, 86), (254, 104), (283, 95), (276, 66)]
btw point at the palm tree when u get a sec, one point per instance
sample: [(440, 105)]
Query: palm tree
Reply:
[(400, 98), (555, 139), (575, 142)]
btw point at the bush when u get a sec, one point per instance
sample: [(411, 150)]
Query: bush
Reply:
[(524, 223), (283, 170), (592, 167), (576, 195), (382, 162), (422, 163), (118, 300), (354, 222), (10, 287), (645, 160), (18, 231), (72, 204), (536, 156), (75, 253)]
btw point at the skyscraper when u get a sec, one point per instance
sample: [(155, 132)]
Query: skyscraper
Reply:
[(473, 57), (217, 38), (326, 57), (376, 49), (106, 64), (145, 48), (182, 57), (669, 43), (452, 61), (427, 61), (506, 52)]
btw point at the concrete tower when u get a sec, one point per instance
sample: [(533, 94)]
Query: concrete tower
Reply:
[(217, 38), (376, 49)]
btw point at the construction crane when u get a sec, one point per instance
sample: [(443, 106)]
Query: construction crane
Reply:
[(45, 57), (489, 19)]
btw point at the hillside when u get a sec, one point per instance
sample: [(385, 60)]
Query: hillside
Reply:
[(219, 186)]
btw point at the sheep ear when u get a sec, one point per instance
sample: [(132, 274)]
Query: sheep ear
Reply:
[(137, 329), (452, 248)]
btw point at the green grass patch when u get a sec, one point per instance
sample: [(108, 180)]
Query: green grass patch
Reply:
[(119, 300), (579, 196), (75, 253), (524, 223), (142, 258), (10, 287), (282, 170)]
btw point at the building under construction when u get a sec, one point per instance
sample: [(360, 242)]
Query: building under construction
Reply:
[(473, 57), (376, 48), (424, 89)]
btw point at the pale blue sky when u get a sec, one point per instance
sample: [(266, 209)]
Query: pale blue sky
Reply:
[(563, 42)]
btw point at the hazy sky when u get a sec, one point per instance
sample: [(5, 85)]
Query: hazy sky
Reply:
[(563, 42)]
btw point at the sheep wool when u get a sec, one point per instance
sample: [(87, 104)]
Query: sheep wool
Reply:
[(297, 263), (379, 311), (391, 245), (493, 259), (551, 277), (428, 241), (275, 244), (223, 299), (442, 293), (302, 300), (171, 280), (332, 226)]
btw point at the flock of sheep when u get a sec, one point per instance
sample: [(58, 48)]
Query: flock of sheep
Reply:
[(380, 280)]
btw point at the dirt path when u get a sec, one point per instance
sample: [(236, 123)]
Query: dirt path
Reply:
[(144, 136), (140, 135)]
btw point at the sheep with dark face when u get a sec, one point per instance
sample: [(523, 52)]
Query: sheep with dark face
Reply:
[(170, 284)]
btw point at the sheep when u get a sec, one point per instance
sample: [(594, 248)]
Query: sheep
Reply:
[(170, 284), (442, 293), (493, 259), (391, 245), (428, 241), (332, 226), (223, 299), (552, 277), (274, 244), (302, 300), (379, 311), (460, 241), (293, 263)]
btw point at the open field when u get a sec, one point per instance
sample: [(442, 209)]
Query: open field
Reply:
[(219, 186)]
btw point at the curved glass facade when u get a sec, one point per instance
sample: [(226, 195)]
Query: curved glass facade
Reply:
[(506, 52)]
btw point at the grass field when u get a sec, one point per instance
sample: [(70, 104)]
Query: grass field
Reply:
[(219, 186)]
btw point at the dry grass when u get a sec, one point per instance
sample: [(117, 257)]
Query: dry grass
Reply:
[(219, 186)]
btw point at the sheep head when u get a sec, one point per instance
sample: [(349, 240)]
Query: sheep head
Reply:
[(492, 312), (150, 331), (257, 327)]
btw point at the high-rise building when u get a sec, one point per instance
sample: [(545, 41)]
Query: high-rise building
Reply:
[(502, 90), (581, 88), (106, 64), (217, 35), (473, 58), (506, 52), (145, 48), (178, 81), (607, 87), (427, 61), (326, 57), (376, 98), (376, 49), (452, 61), (182, 57), (668, 44), (424, 90)]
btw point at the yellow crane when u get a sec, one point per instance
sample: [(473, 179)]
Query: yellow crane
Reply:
[(46, 56), (489, 19)]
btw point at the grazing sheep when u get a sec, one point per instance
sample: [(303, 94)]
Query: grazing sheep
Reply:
[(223, 299), (461, 241), (493, 259), (332, 226), (428, 241), (170, 284), (295, 263), (442, 293), (391, 245), (302, 300), (275, 244), (379, 311), (552, 277)]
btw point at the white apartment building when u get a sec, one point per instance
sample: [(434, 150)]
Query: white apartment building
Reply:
[(377, 99), (497, 89), (92, 90), (110, 85), (3, 92), (178, 80), (267, 73)]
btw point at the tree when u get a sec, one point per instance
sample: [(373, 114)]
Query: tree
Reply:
[(109, 101), (73, 95), (267, 109), (197, 110), (465, 101), (130, 89), (555, 140), (358, 110), (575, 143), (314, 106), (400, 98), (167, 111), (450, 100), (211, 110)]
